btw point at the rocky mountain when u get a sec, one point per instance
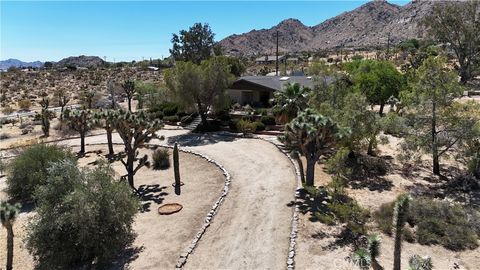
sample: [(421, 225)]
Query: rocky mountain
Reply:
[(80, 61), (365, 26), (5, 64)]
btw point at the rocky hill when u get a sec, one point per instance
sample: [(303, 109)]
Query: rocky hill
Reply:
[(5, 64), (80, 61), (367, 25)]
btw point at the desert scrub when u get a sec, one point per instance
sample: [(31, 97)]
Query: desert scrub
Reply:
[(28, 170), (93, 215), (435, 222), (161, 159)]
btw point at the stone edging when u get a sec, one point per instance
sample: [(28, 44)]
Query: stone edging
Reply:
[(213, 211), (296, 211)]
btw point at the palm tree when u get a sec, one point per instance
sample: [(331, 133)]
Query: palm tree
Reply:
[(418, 263), (8, 214), (399, 219), (291, 101)]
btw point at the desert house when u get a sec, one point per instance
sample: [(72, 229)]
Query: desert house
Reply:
[(270, 59), (258, 90)]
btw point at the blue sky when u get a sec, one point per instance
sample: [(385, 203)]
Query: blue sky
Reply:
[(127, 31)]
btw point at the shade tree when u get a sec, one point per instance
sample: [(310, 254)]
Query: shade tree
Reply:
[(195, 44)]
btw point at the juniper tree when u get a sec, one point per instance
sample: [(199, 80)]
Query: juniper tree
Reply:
[(80, 121), (194, 45), (135, 129), (312, 135), (8, 213), (128, 87)]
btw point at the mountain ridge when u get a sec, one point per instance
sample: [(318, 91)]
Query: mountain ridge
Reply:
[(366, 26)]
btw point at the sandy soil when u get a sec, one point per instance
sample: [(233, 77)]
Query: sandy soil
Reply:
[(251, 231), (319, 246), (160, 239)]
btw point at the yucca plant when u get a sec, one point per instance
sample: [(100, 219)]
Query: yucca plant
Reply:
[(400, 213), (365, 258), (418, 263)]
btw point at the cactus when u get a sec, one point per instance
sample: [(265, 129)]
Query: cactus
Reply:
[(176, 169)]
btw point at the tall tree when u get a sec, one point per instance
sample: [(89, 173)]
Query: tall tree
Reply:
[(432, 92), (45, 117), (129, 89), (201, 86), (457, 23), (312, 135), (378, 80), (8, 213), (107, 120), (80, 121), (62, 98), (292, 99), (135, 129), (194, 45)]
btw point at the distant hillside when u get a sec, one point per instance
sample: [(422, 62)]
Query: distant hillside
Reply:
[(365, 26), (5, 64), (80, 61)]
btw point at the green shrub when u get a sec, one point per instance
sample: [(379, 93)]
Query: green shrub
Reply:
[(187, 119), (161, 159), (167, 108), (436, 222), (327, 219), (83, 218), (232, 124), (268, 120), (246, 126), (28, 170), (393, 124), (259, 126)]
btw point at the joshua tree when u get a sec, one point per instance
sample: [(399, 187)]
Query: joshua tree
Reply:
[(45, 117), (80, 121), (107, 118), (291, 100), (418, 263), (88, 97), (135, 129), (62, 100), (176, 170), (399, 219), (129, 89), (8, 213), (312, 135)]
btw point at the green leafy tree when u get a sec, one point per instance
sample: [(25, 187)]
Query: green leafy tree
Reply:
[(291, 100), (432, 92), (92, 216), (312, 135), (129, 89), (456, 23), (81, 121), (135, 129), (400, 214), (378, 80), (8, 213), (28, 170), (200, 86), (194, 45)]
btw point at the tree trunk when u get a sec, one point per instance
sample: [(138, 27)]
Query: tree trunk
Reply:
[(397, 252), (9, 228), (130, 104), (82, 143), (300, 168), (130, 169), (370, 146), (435, 158), (310, 172), (202, 113), (109, 142), (376, 265), (381, 109)]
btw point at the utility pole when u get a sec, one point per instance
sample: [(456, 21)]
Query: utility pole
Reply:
[(276, 65), (388, 46)]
